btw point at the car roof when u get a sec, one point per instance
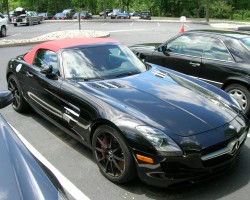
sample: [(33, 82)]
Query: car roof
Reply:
[(221, 33), (56, 45)]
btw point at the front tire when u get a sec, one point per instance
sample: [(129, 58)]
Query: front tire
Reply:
[(112, 155), (19, 103), (241, 94)]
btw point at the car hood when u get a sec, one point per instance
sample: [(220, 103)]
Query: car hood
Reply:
[(164, 100), (21, 175)]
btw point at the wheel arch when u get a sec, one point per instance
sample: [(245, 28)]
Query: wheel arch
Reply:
[(101, 122), (236, 80)]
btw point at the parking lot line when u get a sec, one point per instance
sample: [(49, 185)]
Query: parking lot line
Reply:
[(158, 24), (131, 24), (14, 35), (104, 23), (67, 184), (126, 30)]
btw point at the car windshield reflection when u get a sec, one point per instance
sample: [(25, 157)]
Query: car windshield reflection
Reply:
[(102, 62)]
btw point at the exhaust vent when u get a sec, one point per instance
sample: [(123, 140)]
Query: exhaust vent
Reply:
[(107, 85)]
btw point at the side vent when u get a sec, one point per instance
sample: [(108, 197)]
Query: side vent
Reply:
[(160, 74), (107, 85)]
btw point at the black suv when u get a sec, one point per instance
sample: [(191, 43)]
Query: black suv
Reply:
[(221, 58), (145, 15)]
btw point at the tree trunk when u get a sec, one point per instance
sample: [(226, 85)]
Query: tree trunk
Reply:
[(104, 8), (198, 8), (207, 10)]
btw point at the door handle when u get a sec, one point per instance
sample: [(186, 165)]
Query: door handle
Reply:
[(194, 64), (29, 74)]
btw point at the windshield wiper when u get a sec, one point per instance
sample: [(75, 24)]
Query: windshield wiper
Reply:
[(126, 74)]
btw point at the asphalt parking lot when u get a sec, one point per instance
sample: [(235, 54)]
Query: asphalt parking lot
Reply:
[(74, 161)]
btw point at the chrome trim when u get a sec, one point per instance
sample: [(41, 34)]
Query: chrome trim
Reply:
[(210, 81), (69, 111), (231, 148), (68, 118)]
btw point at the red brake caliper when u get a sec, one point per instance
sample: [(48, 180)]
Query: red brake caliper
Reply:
[(102, 147)]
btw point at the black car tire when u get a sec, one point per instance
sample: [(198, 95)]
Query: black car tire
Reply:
[(241, 95), (19, 103), (3, 31), (15, 24), (112, 155)]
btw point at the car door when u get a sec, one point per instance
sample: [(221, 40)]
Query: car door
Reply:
[(182, 54), (42, 90), (217, 63)]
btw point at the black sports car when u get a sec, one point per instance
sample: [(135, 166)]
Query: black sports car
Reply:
[(220, 58), (23, 176), (138, 118)]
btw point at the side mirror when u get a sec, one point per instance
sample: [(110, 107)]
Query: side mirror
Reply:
[(47, 70), (162, 48), (6, 98)]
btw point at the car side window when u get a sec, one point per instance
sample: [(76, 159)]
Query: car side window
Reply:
[(191, 45), (46, 57), (217, 50)]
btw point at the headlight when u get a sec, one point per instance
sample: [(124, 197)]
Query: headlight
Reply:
[(162, 143)]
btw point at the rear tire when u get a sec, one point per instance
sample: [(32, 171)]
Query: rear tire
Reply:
[(112, 155), (3, 31), (19, 103), (241, 94), (15, 24)]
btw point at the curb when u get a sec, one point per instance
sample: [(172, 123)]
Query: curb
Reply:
[(54, 36)]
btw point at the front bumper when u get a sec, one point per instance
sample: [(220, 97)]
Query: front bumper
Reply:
[(192, 167)]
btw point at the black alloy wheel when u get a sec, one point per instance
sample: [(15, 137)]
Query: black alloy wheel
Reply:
[(241, 94), (113, 155), (19, 103)]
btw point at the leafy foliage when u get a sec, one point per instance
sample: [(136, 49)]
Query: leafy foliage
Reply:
[(238, 9)]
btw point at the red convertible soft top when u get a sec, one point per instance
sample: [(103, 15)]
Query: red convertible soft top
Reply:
[(56, 45)]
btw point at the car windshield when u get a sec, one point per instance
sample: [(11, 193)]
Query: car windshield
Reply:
[(102, 62), (59, 15), (246, 41)]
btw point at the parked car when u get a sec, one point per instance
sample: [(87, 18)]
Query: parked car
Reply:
[(244, 29), (22, 175), (135, 13), (69, 13), (45, 16), (29, 18), (145, 15), (107, 12), (220, 58), (3, 25), (83, 15), (115, 12), (123, 15), (59, 16), (138, 118)]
